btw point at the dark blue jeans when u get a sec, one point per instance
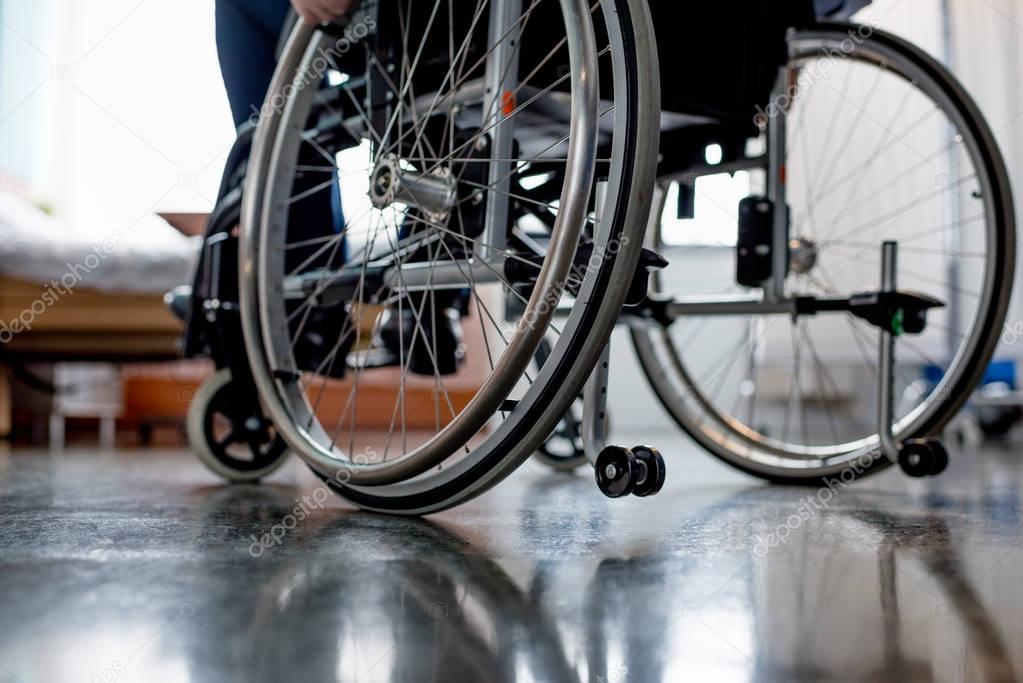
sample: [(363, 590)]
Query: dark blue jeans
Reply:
[(248, 32)]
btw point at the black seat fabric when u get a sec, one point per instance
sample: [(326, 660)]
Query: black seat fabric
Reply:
[(720, 59)]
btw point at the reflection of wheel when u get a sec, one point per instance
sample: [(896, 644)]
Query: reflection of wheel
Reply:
[(239, 453), (423, 593), (445, 165), (886, 146)]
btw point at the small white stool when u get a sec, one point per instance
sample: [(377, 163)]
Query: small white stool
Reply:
[(94, 392)]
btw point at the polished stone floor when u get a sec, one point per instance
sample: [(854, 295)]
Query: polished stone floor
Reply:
[(140, 567)]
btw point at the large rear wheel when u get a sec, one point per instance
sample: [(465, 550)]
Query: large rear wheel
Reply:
[(459, 177), (883, 144)]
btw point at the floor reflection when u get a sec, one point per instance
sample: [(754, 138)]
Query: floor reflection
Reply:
[(149, 580)]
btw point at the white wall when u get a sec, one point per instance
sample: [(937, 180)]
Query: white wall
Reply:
[(987, 48), (26, 106), (113, 108)]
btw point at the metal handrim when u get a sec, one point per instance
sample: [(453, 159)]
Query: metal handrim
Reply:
[(327, 464)]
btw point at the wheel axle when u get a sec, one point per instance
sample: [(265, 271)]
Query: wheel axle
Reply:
[(434, 192)]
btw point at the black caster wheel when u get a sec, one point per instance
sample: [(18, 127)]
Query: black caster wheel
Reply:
[(617, 471), (236, 452), (940, 458), (563, 451), (651, 471), (923, 458)]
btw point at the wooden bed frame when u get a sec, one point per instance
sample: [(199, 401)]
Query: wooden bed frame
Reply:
[(138, 328), (83, 326)]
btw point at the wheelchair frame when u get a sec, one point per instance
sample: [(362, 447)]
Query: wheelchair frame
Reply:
[(219, 312)]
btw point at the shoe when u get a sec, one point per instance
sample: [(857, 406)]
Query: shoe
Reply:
[(321, 332), (438, 347), (179, 302)]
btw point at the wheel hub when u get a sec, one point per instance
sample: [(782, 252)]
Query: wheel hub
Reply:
[(802, 255), (434, 193)]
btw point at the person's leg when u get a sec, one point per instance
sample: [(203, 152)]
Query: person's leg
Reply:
[(248, 33)]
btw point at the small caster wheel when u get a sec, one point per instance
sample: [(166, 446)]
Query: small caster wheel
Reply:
[(617, 471), (236, 452), (917, 458), (651, 471), (940, 454), (563, 451)]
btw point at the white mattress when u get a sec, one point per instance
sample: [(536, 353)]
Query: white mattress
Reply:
[(149, 257)]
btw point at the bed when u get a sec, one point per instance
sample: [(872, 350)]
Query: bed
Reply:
[(85, 293)]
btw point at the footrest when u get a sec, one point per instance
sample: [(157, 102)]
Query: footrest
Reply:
[(649, 263), (896, 312), (522, 270)]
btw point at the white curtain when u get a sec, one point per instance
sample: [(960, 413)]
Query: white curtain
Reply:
[(987, 55), (114, 108)]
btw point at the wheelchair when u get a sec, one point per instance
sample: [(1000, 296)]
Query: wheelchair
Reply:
[(542, 160)]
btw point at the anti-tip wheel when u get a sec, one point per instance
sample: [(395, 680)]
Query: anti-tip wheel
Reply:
[(940, 454), (238, 453), (617, 471), (918, 458), (652, 471)]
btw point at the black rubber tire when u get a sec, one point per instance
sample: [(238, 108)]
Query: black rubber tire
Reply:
[(617, 472), (917, 458), (212, 400), (653, 482), (941, 458)]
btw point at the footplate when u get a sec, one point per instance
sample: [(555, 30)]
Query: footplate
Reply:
[(522, 271)]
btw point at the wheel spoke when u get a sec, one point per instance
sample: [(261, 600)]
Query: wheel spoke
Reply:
[(416, 224), (930, 189)]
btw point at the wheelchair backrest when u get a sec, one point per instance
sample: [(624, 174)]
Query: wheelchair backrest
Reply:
[(720, 59), (839, 10)]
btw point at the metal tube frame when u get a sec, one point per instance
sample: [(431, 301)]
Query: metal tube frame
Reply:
[(500, 82), (487, 265), (886, 374), (774, 289), (594, 422)]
